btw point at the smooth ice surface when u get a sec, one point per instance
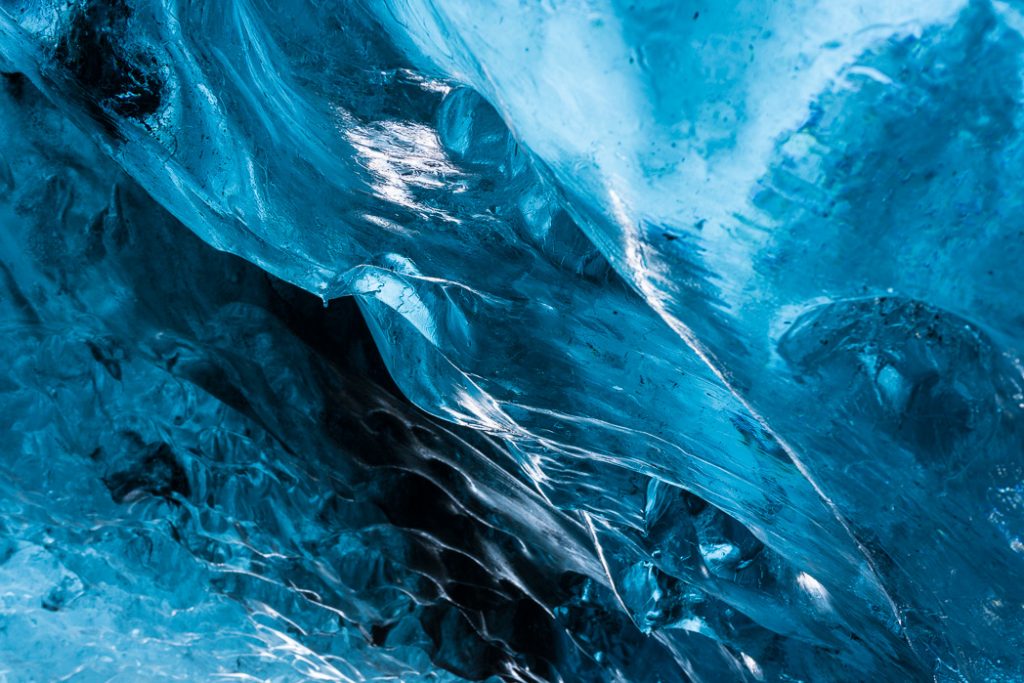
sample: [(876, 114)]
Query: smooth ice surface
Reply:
[(712, 312)]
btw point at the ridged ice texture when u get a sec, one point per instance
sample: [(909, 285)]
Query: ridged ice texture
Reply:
[(712, 310)]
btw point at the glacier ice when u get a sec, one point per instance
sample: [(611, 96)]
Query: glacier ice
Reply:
[(701, 321)]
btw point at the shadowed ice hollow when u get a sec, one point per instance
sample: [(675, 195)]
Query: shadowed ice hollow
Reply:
[(589, 340)]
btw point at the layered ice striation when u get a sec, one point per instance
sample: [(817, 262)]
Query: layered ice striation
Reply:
[(691, 345)]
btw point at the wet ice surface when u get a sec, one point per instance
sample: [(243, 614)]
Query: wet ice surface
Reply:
[(708, 317)]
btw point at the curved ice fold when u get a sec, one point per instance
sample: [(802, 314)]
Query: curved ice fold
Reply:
[(730, 291)]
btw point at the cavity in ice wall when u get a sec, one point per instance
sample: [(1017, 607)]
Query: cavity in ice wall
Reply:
[(554, 340)]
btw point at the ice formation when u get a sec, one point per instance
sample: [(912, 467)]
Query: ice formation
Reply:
[(558, 340)]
